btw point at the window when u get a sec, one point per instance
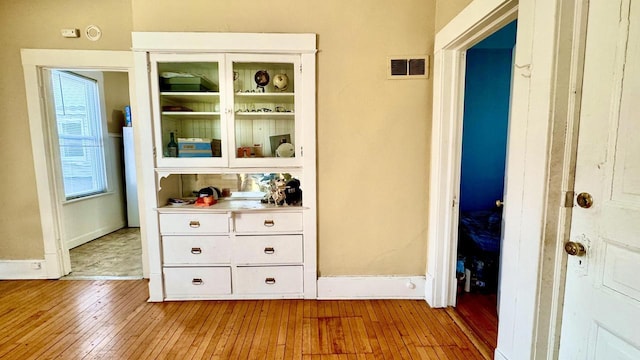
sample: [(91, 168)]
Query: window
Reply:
[(79, 128)]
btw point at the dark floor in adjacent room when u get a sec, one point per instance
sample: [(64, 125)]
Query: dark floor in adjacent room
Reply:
[(479, 312)]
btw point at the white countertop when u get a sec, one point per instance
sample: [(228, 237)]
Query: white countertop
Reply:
[(228, 205)]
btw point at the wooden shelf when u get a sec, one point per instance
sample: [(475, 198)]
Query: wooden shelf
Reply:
[(263, 114), (191, 114), (265, 97), (189, 95)]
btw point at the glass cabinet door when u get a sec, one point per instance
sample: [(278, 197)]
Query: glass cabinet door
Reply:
[(264, 120), (190, 129)]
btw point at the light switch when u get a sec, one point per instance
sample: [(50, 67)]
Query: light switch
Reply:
[(70, 33)]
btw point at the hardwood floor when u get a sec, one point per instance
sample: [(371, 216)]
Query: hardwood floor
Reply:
[(480, 314), (44, 319)]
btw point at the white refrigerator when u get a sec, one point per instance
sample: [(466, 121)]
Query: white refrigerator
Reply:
[(131, 186)]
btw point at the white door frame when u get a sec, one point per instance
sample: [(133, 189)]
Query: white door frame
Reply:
[(451, 46), (56, 256), (538, 169)]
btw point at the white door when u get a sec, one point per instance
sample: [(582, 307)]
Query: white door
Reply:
[(601, 317)]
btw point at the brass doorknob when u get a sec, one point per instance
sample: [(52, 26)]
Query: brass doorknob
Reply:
[(584, 200), (574, 248)]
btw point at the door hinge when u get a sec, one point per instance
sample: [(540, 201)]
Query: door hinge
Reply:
[(568, 199), (148, 67), (300, 68)]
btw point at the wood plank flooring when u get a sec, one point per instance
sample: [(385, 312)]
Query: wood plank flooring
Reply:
[(111, 320), (479, 311)]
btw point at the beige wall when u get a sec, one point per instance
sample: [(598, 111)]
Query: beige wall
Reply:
[(373, 133), (447, 10), (37, 24), (116, 96)]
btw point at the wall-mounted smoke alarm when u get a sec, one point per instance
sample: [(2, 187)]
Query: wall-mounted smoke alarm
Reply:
[(408, 67), (93, 33)]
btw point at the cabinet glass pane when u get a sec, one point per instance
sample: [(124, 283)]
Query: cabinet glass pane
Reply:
[(190, 109), (264, 109)]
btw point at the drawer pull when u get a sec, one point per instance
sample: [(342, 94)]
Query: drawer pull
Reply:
[(196, 251), (197, 281), (270, 281), (269, 250), (269, 223), (194, 224)]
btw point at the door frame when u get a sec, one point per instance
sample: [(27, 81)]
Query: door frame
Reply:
[(451, 45), (539, 168), (57, 262)]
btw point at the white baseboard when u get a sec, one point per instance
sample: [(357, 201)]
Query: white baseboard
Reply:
[(499, 356), (371, 287), (23, 269), (428, 290), (85, 238), (156, 293), (435, 297)]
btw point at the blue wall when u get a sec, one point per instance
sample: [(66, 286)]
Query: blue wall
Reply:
[(486, 114)]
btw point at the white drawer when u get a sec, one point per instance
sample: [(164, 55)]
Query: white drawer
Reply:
[(194, 223), (194, 282), (184, 250), (268, 249), (268, 221), (269, 280)]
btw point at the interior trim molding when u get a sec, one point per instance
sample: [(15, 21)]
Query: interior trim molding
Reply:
[(531, 281), (24, 270), (371, 287), (33, 62), (478, 20), (499, 356)]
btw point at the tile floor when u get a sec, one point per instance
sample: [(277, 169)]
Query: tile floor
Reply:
[(117, 255)]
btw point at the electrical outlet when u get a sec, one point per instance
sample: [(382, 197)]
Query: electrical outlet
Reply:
[(36, 265), (70, 33)]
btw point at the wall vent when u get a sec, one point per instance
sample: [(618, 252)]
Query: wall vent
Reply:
[(408, 67)]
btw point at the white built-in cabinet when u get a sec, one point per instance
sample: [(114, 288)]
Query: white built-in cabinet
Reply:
[(240, 107)]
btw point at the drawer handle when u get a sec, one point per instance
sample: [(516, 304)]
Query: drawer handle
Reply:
[(270, 281), (197, 281), (269, 223), (194, 224), (196, 251), (269, 250)]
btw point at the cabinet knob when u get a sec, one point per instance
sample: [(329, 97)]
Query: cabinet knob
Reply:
[(194, 224), (269, 223), (269, 250), (197, 281), (270, 281), (196, 250)]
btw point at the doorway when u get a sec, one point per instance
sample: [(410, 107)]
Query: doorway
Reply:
[(487, 95), (541, 129), (117, 67), (85, 117), (86, 120)]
